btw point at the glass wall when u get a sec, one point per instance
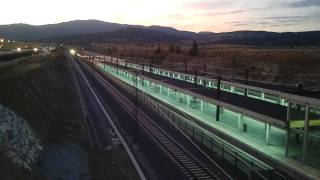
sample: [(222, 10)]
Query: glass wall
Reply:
[(313, 138), (296, 131), (304, 134)]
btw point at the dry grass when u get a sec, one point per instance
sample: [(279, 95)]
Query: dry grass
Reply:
[(38, 89), (287, 65)]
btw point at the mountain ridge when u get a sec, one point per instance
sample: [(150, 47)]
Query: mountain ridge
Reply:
[(92, 29)]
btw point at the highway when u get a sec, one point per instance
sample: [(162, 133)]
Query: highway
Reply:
[(182, 159)]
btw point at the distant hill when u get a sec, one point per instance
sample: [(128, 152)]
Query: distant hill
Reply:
[(31, 32), (172, 31), (128, 34), (262, 38), (100, 31), (25, 32)]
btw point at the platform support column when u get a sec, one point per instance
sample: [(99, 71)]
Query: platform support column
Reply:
[(160, 89), (240, 122), (305, 134), (221, 109), (181, 97), (218, 87), (201, 105), (268, 131), (232, 89), (143, 69), (286, 145), (188, 100), (218, 113), (142, 82)]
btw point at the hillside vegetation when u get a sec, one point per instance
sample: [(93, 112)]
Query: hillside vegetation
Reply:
[(273, 64)]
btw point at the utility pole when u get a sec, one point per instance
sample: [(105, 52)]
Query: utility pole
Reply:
[(135, 109), (246, 79), (196, 79), (218, 97)]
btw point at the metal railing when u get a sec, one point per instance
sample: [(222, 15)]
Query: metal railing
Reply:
[(253, 168)]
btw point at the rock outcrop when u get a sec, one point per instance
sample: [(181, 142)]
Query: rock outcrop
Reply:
[(17, 139)]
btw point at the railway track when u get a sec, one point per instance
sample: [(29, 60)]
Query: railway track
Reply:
[(190, 166)]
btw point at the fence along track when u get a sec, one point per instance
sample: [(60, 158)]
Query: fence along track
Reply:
[(190, 166)]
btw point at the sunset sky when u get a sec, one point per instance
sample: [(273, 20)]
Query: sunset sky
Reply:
[(193, 15)]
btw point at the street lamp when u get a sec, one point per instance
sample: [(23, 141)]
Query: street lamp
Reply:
[(72, 51), (2, 40), (19, 49), (35, 49)]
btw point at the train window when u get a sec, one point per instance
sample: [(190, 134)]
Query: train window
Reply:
[(254, 93), (239, 91), (226, 87), (209, 84), (272, 98), (189, 79)]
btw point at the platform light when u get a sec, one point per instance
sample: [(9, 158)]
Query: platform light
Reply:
[(72, 51), (19, 49), (35, 49), (2, 40)]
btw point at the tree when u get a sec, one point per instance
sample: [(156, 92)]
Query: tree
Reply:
[(158, 51), (109, 51), (171, 51), (171, 48), (114, 49), (194, 49), (177, 49)]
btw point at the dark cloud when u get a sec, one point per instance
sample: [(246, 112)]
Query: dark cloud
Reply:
[(221, 13), (233, 12), (305, 3), (273, 21)]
